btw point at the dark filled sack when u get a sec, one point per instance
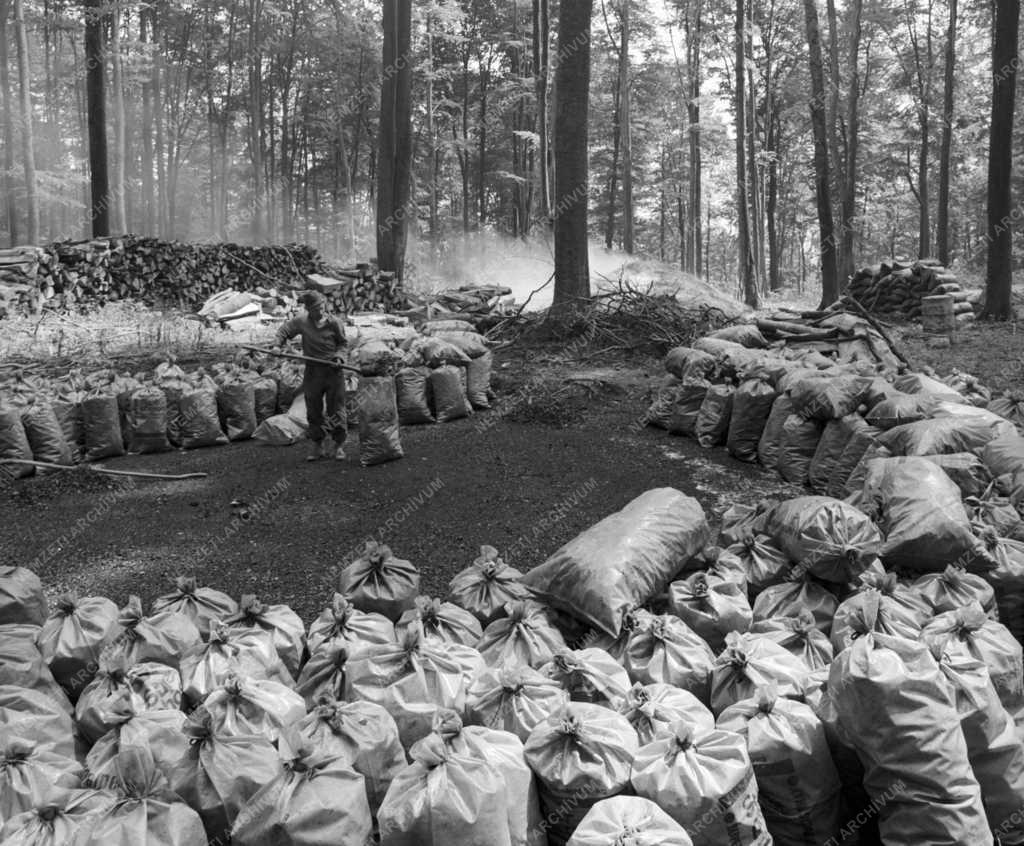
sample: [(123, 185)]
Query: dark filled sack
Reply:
[(478, 380), (828, 397), (704, 781), (378, 421), (711, 606), (74, 636), (21, 663), (342, 624), (954, 588), (102, 420), (1011, 406), (744, 334), (21, 596), (995, 752), (147, 421), (379, 581), (829, 538), (965, 469), (163, 638), (45, 435), (147, 811), (580, 755), (751, 407), (221, 772), (860, 440), (204, 606), (684, 362), (750, 661), (361, 733), (938, 436), (798, 787), (446, 392), (1004, 455), (919, 510), (411, 387), (771, 437), (684, 409), (834, 440), (284, 626), (761, 560), (264, 392), (67, 405), (888, 700), (798, 594), (799, 443), (198, 420), (487, 586), (900, 409), (659, 413), (236, 407), (712, 424)]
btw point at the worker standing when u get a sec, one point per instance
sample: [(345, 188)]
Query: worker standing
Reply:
[(323, 385)]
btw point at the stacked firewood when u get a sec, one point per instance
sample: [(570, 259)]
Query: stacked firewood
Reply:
[(75, 275), (895, 289)]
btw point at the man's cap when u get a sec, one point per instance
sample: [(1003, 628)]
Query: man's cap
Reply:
[(313, 298)]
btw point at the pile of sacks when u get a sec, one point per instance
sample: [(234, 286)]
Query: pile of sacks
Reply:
[(640, 686), (896, 289), (939, 465), (442, 375)]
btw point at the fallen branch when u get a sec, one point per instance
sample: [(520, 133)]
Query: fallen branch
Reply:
[(105, 471), (847, 299)]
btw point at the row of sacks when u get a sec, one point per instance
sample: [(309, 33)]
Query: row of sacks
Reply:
[(775, 687), (953, 476), (444, 375)]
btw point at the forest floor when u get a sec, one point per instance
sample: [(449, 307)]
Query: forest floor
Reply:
[(562, 448), (524, 477)]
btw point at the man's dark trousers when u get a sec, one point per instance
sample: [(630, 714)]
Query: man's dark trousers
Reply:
[(324, 389)]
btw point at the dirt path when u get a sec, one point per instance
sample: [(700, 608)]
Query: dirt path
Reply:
[(524, 488)]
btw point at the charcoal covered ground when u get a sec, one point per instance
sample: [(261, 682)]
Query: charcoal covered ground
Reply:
[(524, 477), (551, 459)]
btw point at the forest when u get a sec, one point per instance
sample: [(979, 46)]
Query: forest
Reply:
[(761, 146)]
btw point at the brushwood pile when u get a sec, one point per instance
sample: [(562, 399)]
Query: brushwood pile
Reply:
[(437, 372)]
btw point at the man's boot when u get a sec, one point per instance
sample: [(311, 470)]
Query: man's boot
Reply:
[(338, 453), (315, 450)]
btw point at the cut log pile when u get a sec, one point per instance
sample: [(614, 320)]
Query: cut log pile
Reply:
[(895, 289), (72, 275)]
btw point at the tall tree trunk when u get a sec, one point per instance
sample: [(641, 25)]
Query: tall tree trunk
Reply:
[(613, 174), (693, 57), (572, 95), (747, 274), (8, 130), (255, 56), (826, 231), (624, 124), (755, 216), (832, 114), (120, 221), (96, 96), (848, 186), (999, 266), (27, 138), (945, 151), (395, 137), (432, 135), (540, 64), (481, 184), (772, 206), (162, 217), (148, 199)]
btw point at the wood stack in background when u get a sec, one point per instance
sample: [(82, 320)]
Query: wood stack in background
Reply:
[(74, 275), (896, 289)]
